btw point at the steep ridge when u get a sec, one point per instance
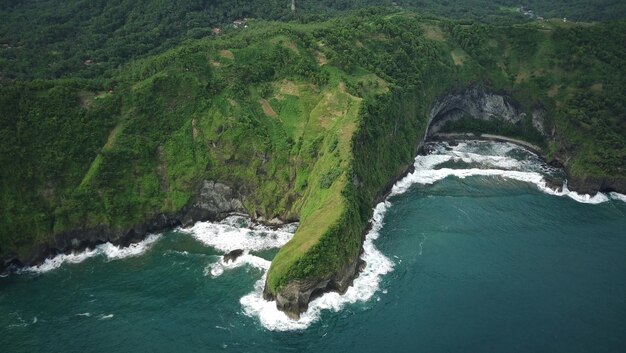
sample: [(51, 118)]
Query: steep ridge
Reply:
[(255, 123), (475, 102)]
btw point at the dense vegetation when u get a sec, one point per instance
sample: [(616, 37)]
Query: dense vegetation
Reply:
[(91, 38), (308, 121)]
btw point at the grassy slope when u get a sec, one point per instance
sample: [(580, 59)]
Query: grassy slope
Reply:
[(307, 121)]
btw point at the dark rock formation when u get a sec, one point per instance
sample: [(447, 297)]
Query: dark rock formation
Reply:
[(591, 185), (478, 103), (294, 298), (233, 255), (213, 201)]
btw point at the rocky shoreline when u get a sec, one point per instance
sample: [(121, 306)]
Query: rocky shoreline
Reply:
[(295, 297), (583, 185), (476, 102), (214, 201)]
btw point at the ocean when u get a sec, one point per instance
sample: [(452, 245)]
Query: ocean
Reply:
[(473, 252)]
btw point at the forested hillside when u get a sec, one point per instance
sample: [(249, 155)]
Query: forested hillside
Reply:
[(55, 38), (113, 113), (306, 121)]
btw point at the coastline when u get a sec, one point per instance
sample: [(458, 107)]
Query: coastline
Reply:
[(487, 137), (81, 239), (214, 202)]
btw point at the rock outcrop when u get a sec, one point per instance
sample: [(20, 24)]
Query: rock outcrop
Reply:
[(479, 103), (591, 185), (475, 102), (233, 255), (213, 201), (294, 298)]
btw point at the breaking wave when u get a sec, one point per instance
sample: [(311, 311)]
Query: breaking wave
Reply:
[(238, 232), (362, 289), (216, 269), (112, 252), (497, 159), (471, 158)]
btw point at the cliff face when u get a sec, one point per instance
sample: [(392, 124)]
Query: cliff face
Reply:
[(213, 201), (478, 103), (294, 298), (382, 149), (592, 184), (475, 102)]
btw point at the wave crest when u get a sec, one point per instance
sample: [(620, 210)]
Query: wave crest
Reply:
[(112, 252), (362, 289)]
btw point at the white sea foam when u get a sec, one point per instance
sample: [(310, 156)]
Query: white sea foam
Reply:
[(228, 235), (217, 269), (362, 289), (496, 163), (112, 252), (500, 166), (116, 252), (239, 232), (56, 262), (501, 162), (617, 196), (106, 317)]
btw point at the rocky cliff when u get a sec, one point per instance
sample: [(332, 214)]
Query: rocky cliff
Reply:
[(475, 102), (478, 103), (213, 201), (294, 298)]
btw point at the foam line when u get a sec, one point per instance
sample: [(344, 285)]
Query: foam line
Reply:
[(617, 196), (489, 158), (217, 269), (112, 252), (362, 290), (236, 232), (507, 167)]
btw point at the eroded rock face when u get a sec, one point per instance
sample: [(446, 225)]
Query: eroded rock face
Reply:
[(294, 298), (213, 201), (233, 255), (539, 120), (591, 185), (475, 102)]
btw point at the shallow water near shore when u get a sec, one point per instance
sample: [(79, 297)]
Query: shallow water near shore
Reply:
[(480, 257)]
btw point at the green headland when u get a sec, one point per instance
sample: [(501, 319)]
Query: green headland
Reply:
[(305, 120)]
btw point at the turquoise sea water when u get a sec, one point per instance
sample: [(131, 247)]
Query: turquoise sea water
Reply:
[(482, 263)]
